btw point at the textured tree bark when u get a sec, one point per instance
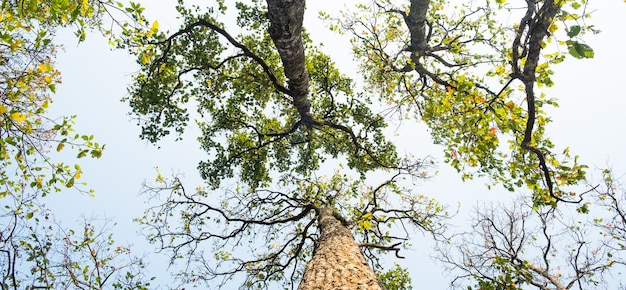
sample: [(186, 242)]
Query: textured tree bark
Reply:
[(338, 262), (286, 17), (416, 21)]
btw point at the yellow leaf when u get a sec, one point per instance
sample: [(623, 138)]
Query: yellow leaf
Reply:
[(541, 121), (160, 177), (554, 162), (500, 70), (3, 109), (153, 29), (553, 27), (83, 7), (145, 58), (18, 117)]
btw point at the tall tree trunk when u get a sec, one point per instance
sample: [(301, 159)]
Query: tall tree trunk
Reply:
[(338, 262)]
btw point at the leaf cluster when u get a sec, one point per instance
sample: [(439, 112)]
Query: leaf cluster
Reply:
[(456, 67), (250, 126)]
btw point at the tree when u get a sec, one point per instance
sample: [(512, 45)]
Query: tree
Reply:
[(276, 114), (34, 250), (291, 226), (612, 223), (39, 253), (512, 246), (456, 68)]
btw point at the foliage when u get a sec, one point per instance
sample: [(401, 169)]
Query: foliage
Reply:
[(28, 77), (437, 77), (36, 252), (39, 253), (512, 246), (396, 279), (284, 220), (455, 67), (250, 133), (275, 113)]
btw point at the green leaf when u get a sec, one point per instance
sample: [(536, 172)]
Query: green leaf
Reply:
[(70, 182), (585, 50), (583, 209), (573, 31), (579, 50)]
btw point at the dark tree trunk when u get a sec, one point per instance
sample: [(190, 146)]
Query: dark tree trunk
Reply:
[(416, 21), (286, 18), (338, 262)]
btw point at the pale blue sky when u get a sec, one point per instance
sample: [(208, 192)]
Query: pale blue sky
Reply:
[(590, 120)]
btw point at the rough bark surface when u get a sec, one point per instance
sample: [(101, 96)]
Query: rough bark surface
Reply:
[(416, 21), (338, 262), (286, 17)]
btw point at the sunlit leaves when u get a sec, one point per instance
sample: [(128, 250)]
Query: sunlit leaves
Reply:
[(153, 28), (472, 114), (238, 92), (29, 79), (29, 136), (397, 278), (453, 68)]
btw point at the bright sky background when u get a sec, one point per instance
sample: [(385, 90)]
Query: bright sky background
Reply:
[(590, 120)]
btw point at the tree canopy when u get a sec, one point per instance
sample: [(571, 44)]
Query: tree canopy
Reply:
[(471, 78), (304, 185), (278, 117)]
